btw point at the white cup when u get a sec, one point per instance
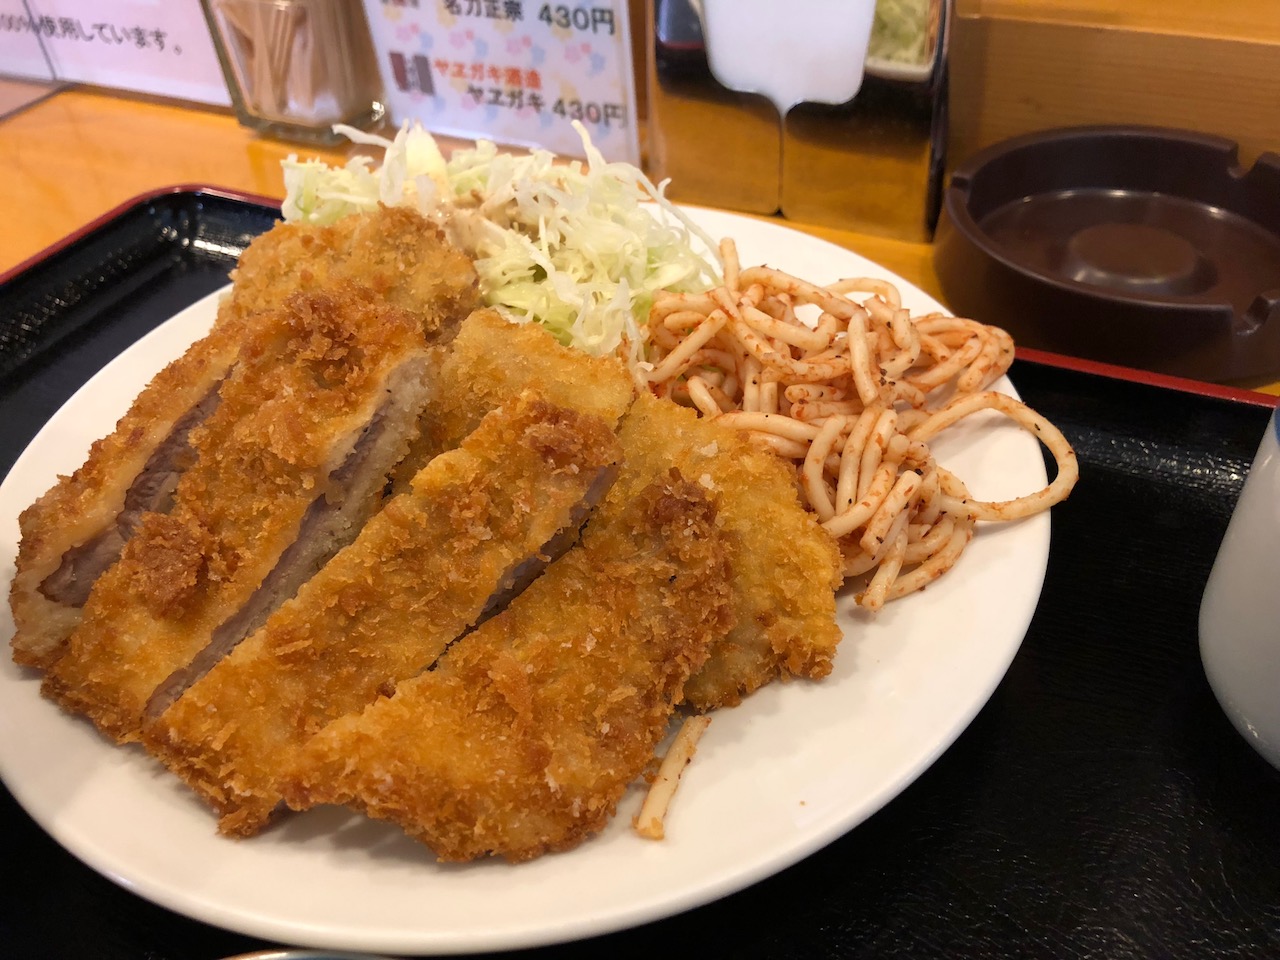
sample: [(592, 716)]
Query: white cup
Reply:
[(1240, 610)]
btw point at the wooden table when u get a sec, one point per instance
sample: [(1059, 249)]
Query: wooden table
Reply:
[(77, 154)]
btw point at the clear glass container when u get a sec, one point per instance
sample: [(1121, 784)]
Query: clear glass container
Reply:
[(294, 68)]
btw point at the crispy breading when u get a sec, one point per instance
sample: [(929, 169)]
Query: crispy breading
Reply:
[(310, 380), (383, 609), (786, 567), (396, 252), (524, 737), (81, 507), (492, 360)]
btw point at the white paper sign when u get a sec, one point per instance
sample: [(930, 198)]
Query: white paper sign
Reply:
[(514, 71), (791, 53), (150, 46), (20, 52)]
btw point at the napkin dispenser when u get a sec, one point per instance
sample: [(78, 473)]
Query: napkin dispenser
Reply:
[(808, 110)]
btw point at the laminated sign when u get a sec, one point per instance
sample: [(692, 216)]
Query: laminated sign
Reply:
[(515, 71), (150, 46)]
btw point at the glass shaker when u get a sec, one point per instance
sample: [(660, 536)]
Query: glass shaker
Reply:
[(296, 67)]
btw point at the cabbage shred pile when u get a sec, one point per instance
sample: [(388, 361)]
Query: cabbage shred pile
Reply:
[(900, 31), (580, 249)]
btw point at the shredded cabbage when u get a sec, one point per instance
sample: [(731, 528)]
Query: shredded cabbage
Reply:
[(900, 32), (581, 249)]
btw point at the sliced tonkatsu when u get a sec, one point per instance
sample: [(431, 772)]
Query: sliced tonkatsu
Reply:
[(528, 732), (477, 523), (491, 360), (76, 531), (786, 568), (321, 403)]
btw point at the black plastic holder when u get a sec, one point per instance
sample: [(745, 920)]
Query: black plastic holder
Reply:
[(1141, 246)]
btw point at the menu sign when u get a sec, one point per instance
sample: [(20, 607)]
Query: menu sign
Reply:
[(144, 45), (515, 71)]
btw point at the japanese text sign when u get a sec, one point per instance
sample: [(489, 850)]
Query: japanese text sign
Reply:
[(514, 71), (151, 46)]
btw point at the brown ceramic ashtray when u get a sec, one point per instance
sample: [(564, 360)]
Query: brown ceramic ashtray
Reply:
[(1140, 246)]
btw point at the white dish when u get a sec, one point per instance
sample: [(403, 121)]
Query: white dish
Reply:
[(792, 769)]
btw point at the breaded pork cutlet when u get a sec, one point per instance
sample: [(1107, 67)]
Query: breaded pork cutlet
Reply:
[(76, 531), (525, 736), (786, 568), (491, 360), (320, 404), (396, 252), (421, 572)]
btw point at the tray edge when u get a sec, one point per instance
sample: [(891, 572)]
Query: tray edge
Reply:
[(122, 208)]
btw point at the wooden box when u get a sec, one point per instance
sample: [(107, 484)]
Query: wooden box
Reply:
[(1018, 66)]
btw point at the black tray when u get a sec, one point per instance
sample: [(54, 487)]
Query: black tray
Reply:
[(1100, 805)]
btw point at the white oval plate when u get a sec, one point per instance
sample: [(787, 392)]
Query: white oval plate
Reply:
[(787, 772)]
